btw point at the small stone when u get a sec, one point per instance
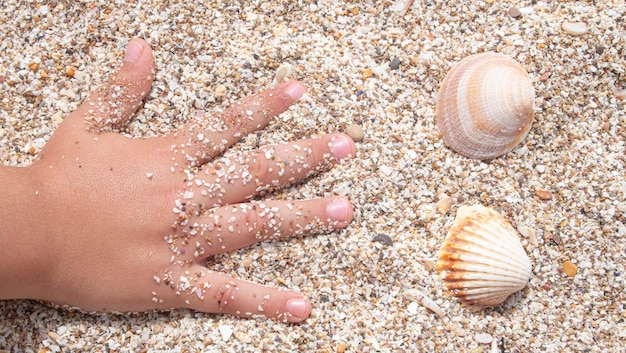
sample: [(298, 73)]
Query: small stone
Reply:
[(383, 238), (515, 12), (569, 269), (444, 204), (54, 336), (599, 49), (355, 132), (574, 28), (395, 63), (341, 347), (483, 338), (544, 77), (70, 72), (543, 194), (220, 91)]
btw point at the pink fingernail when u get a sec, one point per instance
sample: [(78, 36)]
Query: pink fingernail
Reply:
[(296, 307), (340, 147), (133, 52), (337, 209), (295, 90)]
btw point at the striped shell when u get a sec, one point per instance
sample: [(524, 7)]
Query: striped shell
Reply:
[(482, 261), (485, 106)]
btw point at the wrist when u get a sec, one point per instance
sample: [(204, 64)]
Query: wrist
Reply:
[(20, 246)]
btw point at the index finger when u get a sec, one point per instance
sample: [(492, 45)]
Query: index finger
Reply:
[(209, 135)]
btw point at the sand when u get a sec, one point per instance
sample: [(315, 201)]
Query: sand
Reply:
[(365, 63)]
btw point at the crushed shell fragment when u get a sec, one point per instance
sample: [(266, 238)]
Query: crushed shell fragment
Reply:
[(482, 261)]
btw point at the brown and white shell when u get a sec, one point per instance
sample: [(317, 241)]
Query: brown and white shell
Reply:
[(482, 261), (485, 106)]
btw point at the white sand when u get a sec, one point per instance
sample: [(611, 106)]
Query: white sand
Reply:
[(343, 51)]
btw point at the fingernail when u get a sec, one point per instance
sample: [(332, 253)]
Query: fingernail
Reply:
[(337, 209), (340, 147), (296, 307), (295, 90), (133, 52)]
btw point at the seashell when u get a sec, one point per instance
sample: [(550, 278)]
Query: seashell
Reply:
[(482, 261), (485, 106)]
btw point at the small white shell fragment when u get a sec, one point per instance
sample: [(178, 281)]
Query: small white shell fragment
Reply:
[(421, 298), (412, 308), (226, 331), (386, 170), (529, 233), (282, 72), (483, 338), (401, 7), (444, 204), (574, 28), (494, 347)]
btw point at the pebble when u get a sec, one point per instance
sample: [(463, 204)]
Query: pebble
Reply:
[(544, 76), (574, 28), (412, 308), (569, 268), (543, 194), (383, 238), (395, 63), (341, 347), (355, 132), (515, 12)]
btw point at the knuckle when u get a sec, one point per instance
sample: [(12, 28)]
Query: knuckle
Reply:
[(261, 169), (226, 296), (263, 221)]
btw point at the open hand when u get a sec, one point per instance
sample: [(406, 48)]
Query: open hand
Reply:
[(108, 223)]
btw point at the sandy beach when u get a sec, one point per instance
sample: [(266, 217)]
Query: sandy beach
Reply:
[(376, 65)]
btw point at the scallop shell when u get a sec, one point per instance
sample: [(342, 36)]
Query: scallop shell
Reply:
[(482, 261), (485, 106)]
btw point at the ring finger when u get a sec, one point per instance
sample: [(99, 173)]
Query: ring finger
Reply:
[(236, 226)]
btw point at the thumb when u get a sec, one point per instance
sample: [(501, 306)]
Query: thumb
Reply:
[(112, 104)]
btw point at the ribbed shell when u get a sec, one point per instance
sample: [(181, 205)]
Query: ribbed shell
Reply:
[(485, 106), (482, 261)]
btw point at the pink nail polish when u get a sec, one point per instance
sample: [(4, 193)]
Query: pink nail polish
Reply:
[(340, 147), (295, 90), (296, 307), (337, 209), (133, 52)]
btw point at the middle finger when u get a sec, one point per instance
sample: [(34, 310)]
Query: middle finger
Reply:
[(239, 178)]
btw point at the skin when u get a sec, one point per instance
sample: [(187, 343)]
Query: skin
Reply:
[(107, 223)]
